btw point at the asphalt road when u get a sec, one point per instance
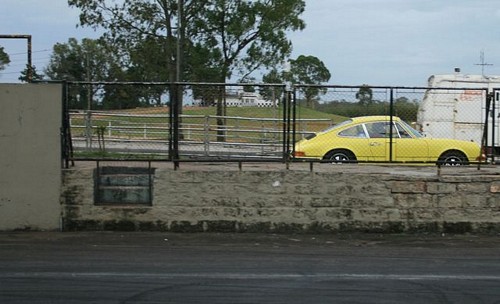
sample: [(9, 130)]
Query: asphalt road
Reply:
[(247, 268)]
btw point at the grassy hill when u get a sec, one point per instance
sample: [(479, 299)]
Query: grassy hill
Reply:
[(250, 112)]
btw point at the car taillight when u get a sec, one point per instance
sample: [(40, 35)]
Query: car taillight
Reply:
[(299, 154)]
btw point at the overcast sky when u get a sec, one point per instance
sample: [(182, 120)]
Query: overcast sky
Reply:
[(375, 42)]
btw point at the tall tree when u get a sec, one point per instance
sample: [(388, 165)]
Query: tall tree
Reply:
[(34, 74), (308, 70), (239, 35), (4, 59), (128, 23), (247, 35), (90, 60), (365, 95), (312, 71)]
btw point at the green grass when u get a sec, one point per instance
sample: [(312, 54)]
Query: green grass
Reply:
[(254, 112)]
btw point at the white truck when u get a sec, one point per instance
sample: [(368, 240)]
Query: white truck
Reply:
[(454, 106)]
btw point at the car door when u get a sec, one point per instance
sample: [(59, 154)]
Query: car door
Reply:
[(407, 148), (356, 140), (379, 142)]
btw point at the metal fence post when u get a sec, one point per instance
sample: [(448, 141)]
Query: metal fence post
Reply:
[(176, 109), (293, 103), (391, 128), (206, 137), (88, 130), (493, 122), (285, 144)]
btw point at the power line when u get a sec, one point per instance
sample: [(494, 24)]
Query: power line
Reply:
[(25, 53), (14, 62)]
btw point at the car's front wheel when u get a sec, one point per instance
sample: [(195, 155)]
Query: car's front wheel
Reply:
[(453, 158), (340, 156)]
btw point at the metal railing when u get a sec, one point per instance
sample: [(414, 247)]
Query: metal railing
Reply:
[(122, 134)]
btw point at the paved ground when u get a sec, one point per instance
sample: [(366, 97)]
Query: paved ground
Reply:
[(116, 267)]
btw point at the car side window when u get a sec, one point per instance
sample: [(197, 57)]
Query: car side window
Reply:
[(356, 131), (376, 129), (402, 132)]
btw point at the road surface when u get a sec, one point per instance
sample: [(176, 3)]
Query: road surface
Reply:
[(114, 267)]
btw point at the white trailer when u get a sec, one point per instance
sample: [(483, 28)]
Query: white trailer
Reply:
[(454, 106)]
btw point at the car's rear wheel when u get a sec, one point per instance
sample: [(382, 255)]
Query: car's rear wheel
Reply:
[(453, 158), (340, 156)]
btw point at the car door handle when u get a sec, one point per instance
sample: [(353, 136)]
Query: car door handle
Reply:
[(374, 144)]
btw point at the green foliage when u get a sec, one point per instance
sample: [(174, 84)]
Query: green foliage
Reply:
[(309, 70), (143, 34), (34, 74), (305, 70), (365, 95), (273, 93), (95, 60), (92, 60), (216, 36), (247, 35), (405, 109), (220, 35), (4, 58)]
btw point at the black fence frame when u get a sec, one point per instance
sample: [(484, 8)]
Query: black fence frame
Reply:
[(289, 118)]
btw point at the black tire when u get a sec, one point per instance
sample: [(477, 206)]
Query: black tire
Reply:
[(453, 158), (340, 156)]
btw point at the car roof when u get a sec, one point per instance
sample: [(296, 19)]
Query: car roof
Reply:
[(362, 119)]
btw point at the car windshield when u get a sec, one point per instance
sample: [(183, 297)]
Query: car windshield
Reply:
[(410, 129)]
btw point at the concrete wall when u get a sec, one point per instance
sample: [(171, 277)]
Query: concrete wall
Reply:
[(30, 166), (278, 200)]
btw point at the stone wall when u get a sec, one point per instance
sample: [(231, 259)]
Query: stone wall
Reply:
[(280, 200)]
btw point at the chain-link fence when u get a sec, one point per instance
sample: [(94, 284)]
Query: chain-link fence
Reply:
[(180, 121), (393, 124), (119, 120), (208, 121)]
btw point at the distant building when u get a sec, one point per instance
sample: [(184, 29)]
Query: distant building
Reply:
[(241, 98)]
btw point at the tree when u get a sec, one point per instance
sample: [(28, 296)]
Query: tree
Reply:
[(365, 95), (90, 60), (304, 70), (34, 74), (145, 58), (247, 35), (312, 71), (4, 59), (129, 23), (236, 35), (273, 93)]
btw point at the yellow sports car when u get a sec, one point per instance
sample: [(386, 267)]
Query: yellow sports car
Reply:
[(371, 138)]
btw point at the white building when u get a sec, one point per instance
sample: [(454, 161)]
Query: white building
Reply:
[(241, 98)]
